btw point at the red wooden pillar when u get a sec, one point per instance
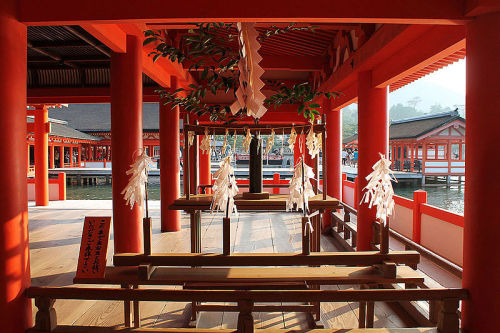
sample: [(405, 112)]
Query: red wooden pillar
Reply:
[(79, 159), (205, 172), (419, 197), (373, 138), (28, 165), (194, 156), (51, 157), (41, 158), (15, 308), (61, 156), (333, 155), (481, 274), (71, 152), (126, 141), (169, 166)]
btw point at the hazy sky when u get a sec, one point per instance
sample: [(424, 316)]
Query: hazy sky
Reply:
[(445, 87)]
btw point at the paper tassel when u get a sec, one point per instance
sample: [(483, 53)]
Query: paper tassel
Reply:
[(224, 188), (248, 94), (134, 192), (234, 142), (282, 143), (224, 145), (246, 141), (301, 141), (292, 139), (379, 191), (190, 138), (269, 143), (300, 189), (313, 142), (205, 143)]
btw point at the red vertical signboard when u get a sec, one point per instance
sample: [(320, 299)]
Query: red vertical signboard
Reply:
[(93, 248)]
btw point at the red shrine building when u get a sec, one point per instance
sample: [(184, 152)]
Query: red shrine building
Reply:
[(433, 145), (92, 51)]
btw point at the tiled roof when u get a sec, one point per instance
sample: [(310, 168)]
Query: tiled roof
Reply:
[(62, 130)]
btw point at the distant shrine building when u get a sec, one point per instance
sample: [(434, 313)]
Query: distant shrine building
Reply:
[(433, 144)]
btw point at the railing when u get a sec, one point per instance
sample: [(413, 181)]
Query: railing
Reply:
[(419, 225), (57, 188)]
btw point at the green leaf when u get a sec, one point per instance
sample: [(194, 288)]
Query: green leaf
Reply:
[(314, 105), (301, 108), (149, 40), (156, 57)]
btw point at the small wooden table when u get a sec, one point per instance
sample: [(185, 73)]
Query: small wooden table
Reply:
[(196, 203)]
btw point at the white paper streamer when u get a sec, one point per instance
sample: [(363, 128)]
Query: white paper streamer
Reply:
[(224, 145), (379, 191), (300, 190), (313, 142), (269, 143), (248, 94), (205, 143), (224, 188), (246, 141), (292, 139), (134, 192), (190, 138)]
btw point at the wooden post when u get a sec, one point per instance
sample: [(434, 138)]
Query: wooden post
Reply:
[(306, 236), (255, 165), (245, 318), (46, 318), (384, 238), (226, 236), (146, 229), (448, 321), (186, 171), (127, 309), (195, 227)]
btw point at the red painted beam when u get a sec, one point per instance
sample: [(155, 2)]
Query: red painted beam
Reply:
[(109, 34), (291, 63), (80, 95), (60, 12)]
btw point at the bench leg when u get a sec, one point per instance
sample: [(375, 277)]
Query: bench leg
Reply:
[(362, 315), (137, 313), (126, 309), (245, 318), (195, 226)]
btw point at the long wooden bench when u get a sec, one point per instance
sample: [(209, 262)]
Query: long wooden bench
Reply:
[(46, 319), (227, 272)]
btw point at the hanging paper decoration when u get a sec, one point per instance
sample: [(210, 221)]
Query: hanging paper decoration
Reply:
[(135, 190), (379, 191), (313, 142), (246, 141), (301, 141), (300, 187), (282, 142), (190, 138), (249, 95), (224, 188), (205, 143), (319, 142), (269, 143), (224, 145), (234, 142), (292, 139)]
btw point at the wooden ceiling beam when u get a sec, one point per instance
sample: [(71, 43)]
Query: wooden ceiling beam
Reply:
[(292, 63), (63, 12)]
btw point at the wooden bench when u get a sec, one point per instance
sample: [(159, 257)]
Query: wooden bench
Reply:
[(227, 272), (46, 319)]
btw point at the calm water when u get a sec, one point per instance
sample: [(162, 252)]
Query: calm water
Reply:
[(450, 198)]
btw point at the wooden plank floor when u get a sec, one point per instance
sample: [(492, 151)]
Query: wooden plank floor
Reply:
[(55, 233)]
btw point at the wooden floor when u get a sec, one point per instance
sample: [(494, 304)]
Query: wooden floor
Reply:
[(55, 233)]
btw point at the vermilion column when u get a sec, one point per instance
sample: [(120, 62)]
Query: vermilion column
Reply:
[(41, 157), (169, 166), (205, 174), (126, 141), (15, 308), (373, 138), (481, 274), (61, 156), (51, 157), (333, 155)]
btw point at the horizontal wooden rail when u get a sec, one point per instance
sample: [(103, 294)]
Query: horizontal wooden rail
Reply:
[(367, 258), (176, 295)]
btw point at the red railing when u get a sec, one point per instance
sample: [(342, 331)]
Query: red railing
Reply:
[(57, 188)]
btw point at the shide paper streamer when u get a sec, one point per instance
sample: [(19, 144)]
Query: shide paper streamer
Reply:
[(135, 190), (246, 141), (249, 95), (379, 191), (300, 187), (224, 188), (292, 138), (269, 143), (205, 143)]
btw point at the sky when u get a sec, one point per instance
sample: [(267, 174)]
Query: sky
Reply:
[(445, 86)]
